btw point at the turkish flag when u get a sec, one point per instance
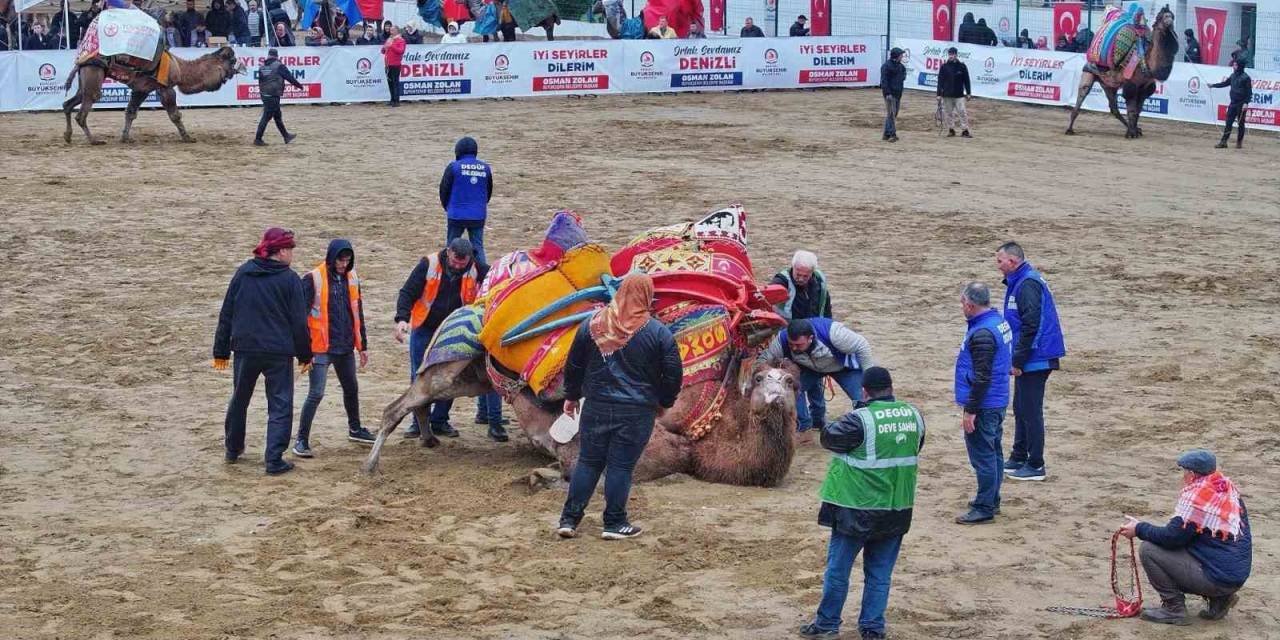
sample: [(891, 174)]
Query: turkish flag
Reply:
[(1066, 20), (717, 15), (1210, 24), (371, 9), (943, 19), (819, 17)]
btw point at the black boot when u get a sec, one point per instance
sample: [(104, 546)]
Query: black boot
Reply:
[(497, 433)]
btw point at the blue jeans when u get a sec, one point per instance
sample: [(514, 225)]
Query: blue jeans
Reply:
[(345, 366), (610, 441), (891, 104), (877, 569), (814, 412), (278, 371), (475, 232), (489, 409), (418, 342), (1028, 417), (986, 454)]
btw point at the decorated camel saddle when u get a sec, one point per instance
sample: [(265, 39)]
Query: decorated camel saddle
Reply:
[(1119, 47), (533, 302), (127, 42)]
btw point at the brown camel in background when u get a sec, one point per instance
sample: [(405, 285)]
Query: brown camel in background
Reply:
[(1159, 60), (206, 73)]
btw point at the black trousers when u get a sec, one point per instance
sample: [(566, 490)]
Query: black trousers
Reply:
[(1235, 111), (278, 370), (508, 31), (393, 83), (1028, 417), (271, 111), (345, 365)]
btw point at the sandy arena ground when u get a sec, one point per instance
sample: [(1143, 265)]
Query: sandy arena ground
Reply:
[(118, 518)]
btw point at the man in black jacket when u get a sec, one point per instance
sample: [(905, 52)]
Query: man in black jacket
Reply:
[(750, 30), (271, 79), (798, 28), (1193, 47), (1241, 93), (338, 337), (969, 33), (440, 284), (186, 23), (953, 92), (625, 365), (987, 36), (892, 76), (264, 322)]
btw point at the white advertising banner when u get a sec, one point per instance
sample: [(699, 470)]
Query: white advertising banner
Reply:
[(35, 79), (1050, 77)]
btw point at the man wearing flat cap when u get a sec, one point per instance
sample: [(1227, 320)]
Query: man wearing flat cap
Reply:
[(1205, 550), (867, 499), (264, 322), (798, 28)]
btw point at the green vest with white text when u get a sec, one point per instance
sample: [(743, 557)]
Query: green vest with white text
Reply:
[(881, 472)]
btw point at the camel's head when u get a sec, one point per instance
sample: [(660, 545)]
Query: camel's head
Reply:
[(226, 57), (1164, 20), (772, 387)]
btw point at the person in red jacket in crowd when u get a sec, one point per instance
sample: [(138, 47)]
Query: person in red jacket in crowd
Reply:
[(392, 55)]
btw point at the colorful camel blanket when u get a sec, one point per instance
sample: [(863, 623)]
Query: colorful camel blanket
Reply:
[(458, 338), (1120, 43)]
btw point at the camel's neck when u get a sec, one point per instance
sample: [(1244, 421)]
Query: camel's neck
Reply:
[(1164, 48), (197, 76)]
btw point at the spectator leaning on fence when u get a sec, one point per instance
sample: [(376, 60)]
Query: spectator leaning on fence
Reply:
[(453, 36), (798, 28), (953, 92), (663, 30), (750, 30), (283, 37), (367, 37), (969, 32)]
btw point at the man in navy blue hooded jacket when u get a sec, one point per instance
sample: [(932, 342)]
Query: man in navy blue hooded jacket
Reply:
[(264, 321), (1032, 315), (465, 190)]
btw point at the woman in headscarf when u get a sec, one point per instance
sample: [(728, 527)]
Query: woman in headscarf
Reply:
[(625, 365)]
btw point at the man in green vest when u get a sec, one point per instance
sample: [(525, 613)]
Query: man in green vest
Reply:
[(867, 499), (807, 288)]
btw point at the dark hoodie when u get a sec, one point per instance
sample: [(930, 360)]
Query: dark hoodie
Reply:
[(969, 31), (263, 313), (986, 36), (465, 149), (341, 325)]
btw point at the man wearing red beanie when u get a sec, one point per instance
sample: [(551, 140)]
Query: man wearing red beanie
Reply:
[(264, 321)]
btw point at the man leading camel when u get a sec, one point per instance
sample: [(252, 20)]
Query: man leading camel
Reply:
[(626, 366), (440, 284), (263, 321), (821, 348)]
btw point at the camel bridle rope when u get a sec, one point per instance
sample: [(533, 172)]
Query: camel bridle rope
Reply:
[(1126, 606)]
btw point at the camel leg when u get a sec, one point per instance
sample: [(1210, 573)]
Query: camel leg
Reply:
[(89, 94), (135, 101), (550, 25), (169, 98), (68, 106), (1086, 84), (1113, 104), (440, 382), (1132, 105)]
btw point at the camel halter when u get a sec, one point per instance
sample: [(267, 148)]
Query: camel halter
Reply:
[(1125, 606)]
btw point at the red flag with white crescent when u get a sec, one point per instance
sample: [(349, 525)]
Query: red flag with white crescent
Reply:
[(943, 19), (1066, 20), (819, 17), (1210, 23), (717, 15)]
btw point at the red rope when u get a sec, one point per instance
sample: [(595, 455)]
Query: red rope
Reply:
[(1126, 608)]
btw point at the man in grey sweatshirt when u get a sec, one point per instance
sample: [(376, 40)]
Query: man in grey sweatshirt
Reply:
[(822, 348)]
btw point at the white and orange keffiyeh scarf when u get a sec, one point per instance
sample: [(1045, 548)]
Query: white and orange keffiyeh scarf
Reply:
[(1211, 502)]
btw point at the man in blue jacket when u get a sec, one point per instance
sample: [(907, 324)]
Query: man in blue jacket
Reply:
[(1030, 310), (822, 348), (982, 390), (1206, 549), (264, 322), (465, 190)]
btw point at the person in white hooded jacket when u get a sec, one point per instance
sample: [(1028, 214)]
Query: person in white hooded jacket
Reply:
[(453, 37)]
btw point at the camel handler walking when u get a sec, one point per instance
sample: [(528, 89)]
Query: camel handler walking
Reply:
[(271, 79), (867, 499), (264, 322), (338, 337), (1241, 93), (953, 93), (625, 365), (822, 348), (440, 284), (1206, 549)]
